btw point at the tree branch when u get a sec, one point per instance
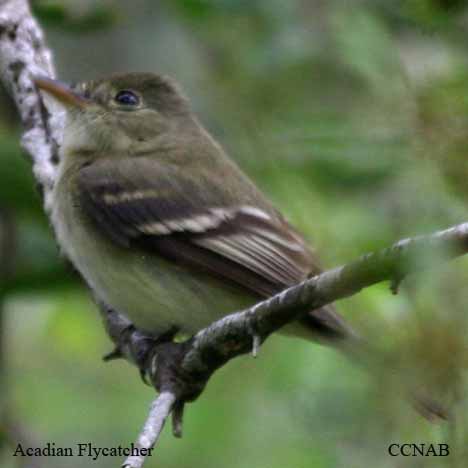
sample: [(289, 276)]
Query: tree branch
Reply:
[(183, 369), (160, 409), (180, 371), (23, 54)]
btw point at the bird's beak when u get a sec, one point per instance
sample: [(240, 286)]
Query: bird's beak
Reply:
[(61, 92)]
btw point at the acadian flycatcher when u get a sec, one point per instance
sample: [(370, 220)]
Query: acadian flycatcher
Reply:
[(161, 224)]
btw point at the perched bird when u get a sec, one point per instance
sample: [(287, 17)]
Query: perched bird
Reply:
[(161, 224), (165, 228)]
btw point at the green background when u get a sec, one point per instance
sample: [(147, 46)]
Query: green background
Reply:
[(353, 118)]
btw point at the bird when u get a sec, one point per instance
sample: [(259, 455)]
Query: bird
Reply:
[(161, 224), (167, 230)]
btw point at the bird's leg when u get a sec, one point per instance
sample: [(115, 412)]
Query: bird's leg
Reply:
[(130, 342), (144, 345), (159, 360), (140, 346)]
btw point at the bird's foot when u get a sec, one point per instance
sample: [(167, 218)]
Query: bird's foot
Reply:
[(139, 346)]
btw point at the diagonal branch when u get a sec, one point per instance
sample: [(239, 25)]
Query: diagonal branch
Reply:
[(183, 369), (395, 262), (180, 371)]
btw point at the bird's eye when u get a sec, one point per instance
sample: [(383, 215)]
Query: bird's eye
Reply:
[(127, 98)]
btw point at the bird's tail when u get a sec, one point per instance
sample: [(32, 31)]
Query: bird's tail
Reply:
[(326, 326)]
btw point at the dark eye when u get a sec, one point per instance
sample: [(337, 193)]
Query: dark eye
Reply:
[(127, 98)]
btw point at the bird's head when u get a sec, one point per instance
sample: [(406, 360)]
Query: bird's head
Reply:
[(122, 113)]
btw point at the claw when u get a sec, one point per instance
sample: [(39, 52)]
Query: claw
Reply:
[(177, 419), (144, 377), (114, 354)]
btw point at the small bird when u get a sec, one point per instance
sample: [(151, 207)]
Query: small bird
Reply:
[(160, 223), (165, 228)]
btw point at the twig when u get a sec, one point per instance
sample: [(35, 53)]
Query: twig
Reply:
[(404, 257), (184, 368), (160, 410), (256, 342)]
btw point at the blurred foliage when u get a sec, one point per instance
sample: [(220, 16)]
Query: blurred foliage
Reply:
[(353, 117), (74, 17)]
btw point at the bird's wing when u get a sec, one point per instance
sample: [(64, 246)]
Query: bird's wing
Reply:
[(139, 202)]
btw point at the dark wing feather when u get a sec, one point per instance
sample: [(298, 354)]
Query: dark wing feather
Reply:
[(156, 207), (169, 214)]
